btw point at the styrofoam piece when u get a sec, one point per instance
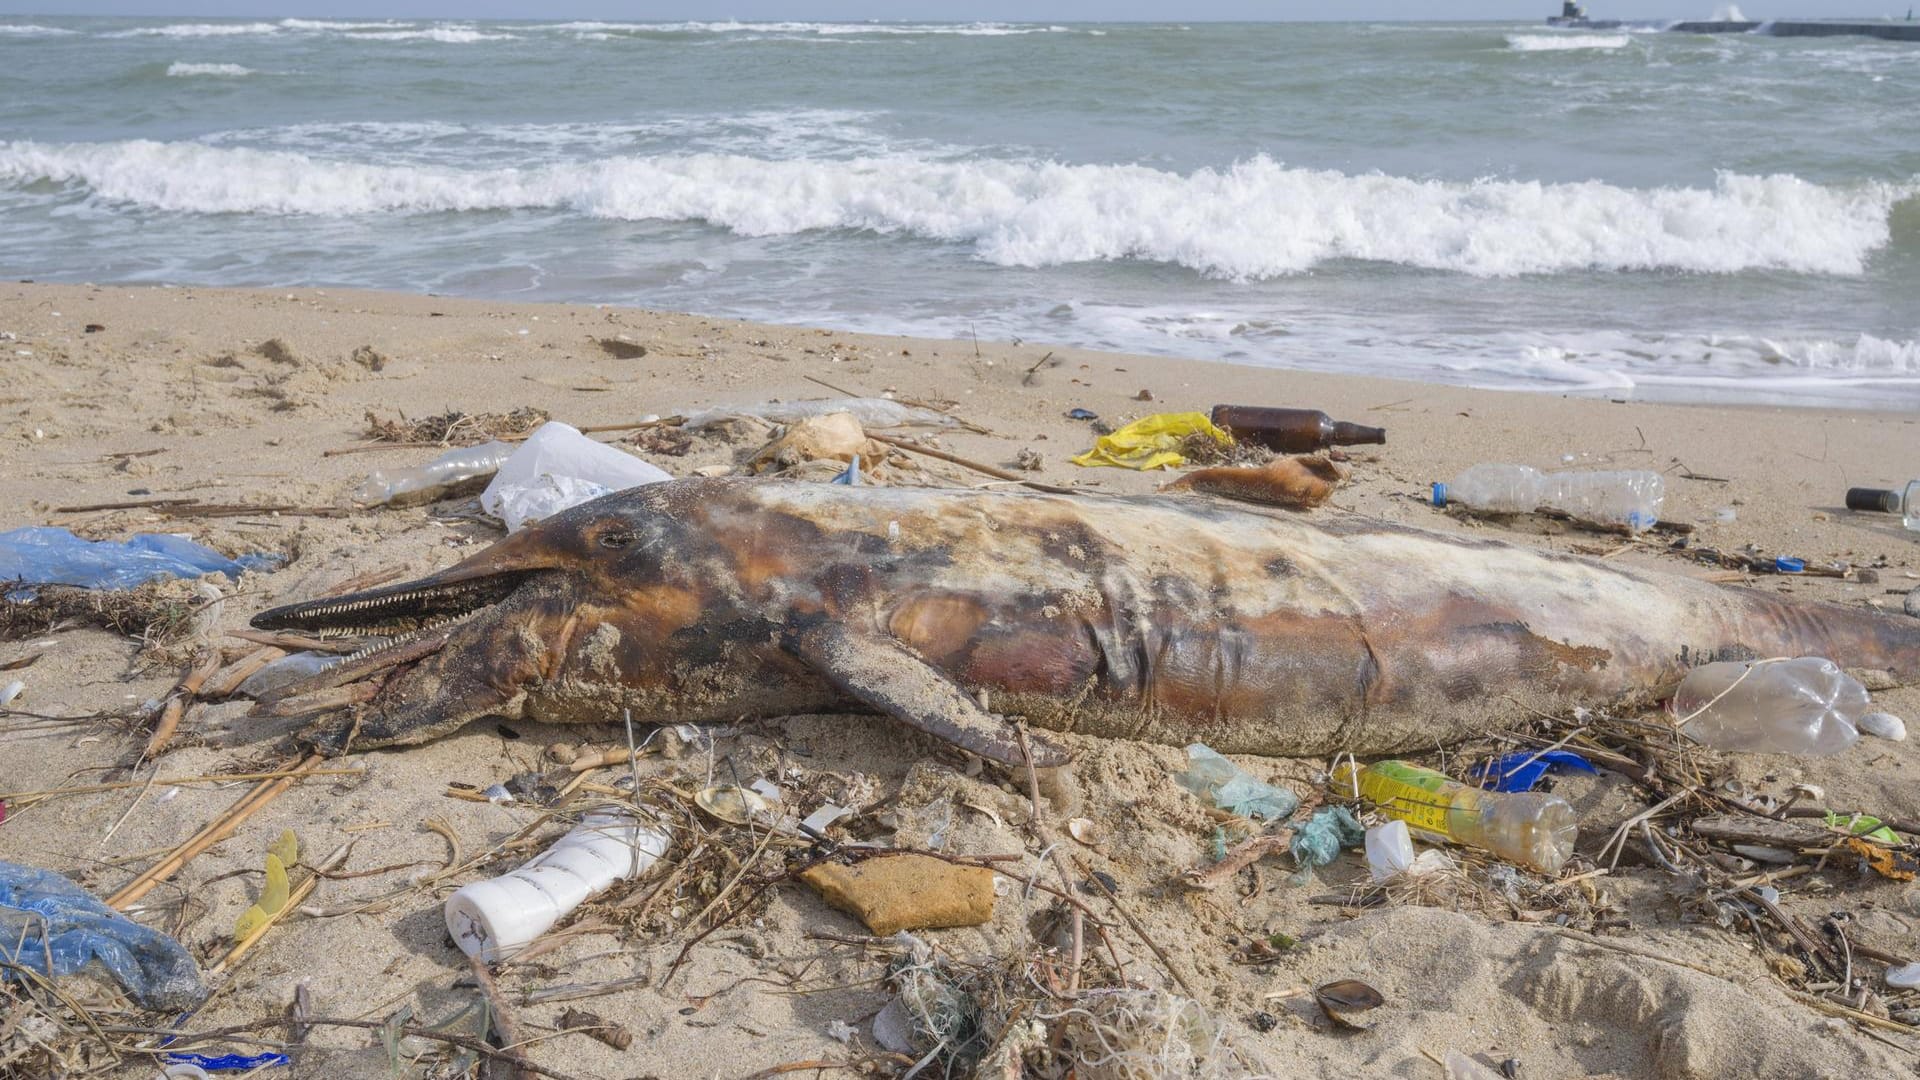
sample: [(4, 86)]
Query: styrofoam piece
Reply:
[(1389, 851), (496, 918)]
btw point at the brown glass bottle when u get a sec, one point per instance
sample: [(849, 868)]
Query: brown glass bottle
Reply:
[(1292, 431)]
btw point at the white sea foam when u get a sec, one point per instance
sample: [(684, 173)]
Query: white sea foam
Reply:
[(181, 70), (335, 24), (451, 35), (1562, 42), (194, 30), (33, 30), (730, 26), (1255, 219)]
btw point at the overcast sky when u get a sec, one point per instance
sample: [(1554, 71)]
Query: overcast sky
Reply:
[(1040, 10)]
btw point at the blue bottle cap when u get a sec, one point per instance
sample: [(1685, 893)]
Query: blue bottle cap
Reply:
[(1789, 566), (1439, 494)]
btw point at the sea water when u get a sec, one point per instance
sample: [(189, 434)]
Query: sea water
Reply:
[(1658, 215)]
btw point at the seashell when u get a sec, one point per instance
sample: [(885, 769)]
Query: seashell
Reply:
[(731, 803), (1347, 1002)]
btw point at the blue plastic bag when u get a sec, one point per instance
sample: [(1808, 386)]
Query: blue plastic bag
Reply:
[(44, 914), (1318, 842), (1523, 770), (42, 555)]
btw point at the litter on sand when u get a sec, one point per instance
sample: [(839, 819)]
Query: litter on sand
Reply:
[(557, 467), (54, 927), (44, 555), (1232, 788), (1154, 442)]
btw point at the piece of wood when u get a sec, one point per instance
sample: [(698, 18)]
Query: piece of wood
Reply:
[(226, 681), (215, 831), (176, 706), (136, 505), (1763, 832), (294, 642), (979, 467)]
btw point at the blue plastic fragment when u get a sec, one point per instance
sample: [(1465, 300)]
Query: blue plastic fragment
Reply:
[(43, 555), (1522, 771), (1213, 777), (44, 916), (228, 1062), (1787, 565), (1082, 414), (851, 477), (1331, 828)]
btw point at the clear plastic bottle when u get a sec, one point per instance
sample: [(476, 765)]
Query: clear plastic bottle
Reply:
[(1627, 497), (437, 479), (1804, 706), (1532, 828), (1906, 503)]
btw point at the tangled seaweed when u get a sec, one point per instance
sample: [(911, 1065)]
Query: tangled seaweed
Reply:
[(455, 428)]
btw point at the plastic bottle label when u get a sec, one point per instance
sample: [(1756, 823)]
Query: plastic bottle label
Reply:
[(1419, 797)]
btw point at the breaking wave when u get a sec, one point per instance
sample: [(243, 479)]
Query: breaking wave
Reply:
[(1255, 219), (730, 26), (1562, 42), (32, 30), (181, 70), (193, 30)]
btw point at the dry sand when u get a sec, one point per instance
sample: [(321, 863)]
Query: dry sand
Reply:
[(176, 371)]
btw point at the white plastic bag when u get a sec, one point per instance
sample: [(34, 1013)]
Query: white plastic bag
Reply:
[(558, 467)]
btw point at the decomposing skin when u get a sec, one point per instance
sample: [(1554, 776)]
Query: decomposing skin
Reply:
[(1172, 620)]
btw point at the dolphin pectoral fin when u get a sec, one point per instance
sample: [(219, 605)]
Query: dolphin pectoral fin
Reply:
[(883, 674)]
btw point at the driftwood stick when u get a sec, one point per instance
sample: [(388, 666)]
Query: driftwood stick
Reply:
[(293, 642), (224, 683), (979, 467), (141, 504), (177, 703), (503, 1019), (215, 831)]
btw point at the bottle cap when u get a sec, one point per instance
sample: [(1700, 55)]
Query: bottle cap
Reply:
[(1873, 500), (1789, 566), (1640, 521), (1439, 494)]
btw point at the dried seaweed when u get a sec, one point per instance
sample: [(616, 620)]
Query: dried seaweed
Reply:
[(160, 613), (455, 428)]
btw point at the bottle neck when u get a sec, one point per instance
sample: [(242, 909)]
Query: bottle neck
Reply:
[(1345, 434)]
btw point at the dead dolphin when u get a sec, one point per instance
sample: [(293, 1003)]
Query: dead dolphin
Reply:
[(1168, 619)]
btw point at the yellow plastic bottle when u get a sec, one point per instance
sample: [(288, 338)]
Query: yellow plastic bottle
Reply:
[(1532, 828)]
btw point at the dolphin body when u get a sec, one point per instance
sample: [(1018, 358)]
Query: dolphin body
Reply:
[(1162, 618)]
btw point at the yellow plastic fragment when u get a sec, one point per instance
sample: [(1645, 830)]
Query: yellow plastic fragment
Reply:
[(1152, 442), (287, 848)]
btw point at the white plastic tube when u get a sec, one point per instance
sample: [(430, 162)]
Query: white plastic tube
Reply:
[(496, 918)]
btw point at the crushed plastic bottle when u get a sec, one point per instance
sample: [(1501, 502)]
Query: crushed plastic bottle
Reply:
[(1531, 828), (285, 672), (1629, 497), (440, 478), (1231, 788), (1805, 706), (46, 917)]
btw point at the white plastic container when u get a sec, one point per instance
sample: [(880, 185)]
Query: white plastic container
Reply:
[(1629, 497), (496, 918), (1804, 706)]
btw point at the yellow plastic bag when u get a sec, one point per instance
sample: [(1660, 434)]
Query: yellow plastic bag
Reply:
[(1152, 442)]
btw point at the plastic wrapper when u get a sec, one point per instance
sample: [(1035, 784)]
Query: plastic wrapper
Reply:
[(43, 914), (557, 467), (43, 555), (1153, 442), (1211, 776)]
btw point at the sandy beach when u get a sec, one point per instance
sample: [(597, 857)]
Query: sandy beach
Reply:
[(115, 394)]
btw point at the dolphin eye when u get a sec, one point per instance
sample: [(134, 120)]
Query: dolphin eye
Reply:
[(616, 539)]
